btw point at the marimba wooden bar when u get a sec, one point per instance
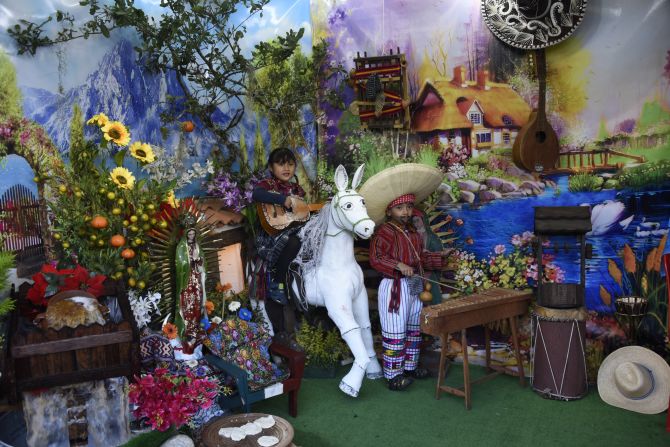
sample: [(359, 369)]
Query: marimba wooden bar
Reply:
[(475, 310)]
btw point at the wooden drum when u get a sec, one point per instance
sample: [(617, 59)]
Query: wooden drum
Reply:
[(558, 359)]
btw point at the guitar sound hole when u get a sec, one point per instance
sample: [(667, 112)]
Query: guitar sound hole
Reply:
[(540, 136)]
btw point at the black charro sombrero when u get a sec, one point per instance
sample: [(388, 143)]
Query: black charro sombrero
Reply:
[(533, 24)]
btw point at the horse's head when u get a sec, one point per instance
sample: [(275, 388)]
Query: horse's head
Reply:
[(348, 207)]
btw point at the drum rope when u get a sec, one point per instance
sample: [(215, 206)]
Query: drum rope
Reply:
[(567, 356), (586, 373)]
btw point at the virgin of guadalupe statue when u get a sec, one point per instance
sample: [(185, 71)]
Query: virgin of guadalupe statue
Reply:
[(190, 290)]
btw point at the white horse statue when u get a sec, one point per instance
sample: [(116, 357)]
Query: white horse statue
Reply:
[(332, 278)]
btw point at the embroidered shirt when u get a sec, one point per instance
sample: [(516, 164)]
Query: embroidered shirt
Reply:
[(389, 247)]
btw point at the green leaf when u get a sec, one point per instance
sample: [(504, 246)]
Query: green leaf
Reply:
[(104, 30), (118, 158)]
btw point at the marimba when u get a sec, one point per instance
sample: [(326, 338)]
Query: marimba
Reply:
[(475, 310)]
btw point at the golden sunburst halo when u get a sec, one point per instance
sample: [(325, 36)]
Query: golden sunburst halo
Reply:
[(99, 120), (142, 152), (116, 132), (122, 177)]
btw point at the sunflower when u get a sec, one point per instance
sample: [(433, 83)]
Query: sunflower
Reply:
[(122, 177), (142, 152), (100, 120), (170, 330), (116, 132)]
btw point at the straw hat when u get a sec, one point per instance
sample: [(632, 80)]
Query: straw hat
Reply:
[(407, 178), (636, 379)]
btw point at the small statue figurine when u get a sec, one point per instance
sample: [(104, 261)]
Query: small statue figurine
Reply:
[(190, 290)]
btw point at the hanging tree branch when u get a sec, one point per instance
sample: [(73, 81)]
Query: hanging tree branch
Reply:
[(195, 39)]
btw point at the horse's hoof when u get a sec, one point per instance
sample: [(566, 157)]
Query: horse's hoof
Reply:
[(374, 375), (346, 389)]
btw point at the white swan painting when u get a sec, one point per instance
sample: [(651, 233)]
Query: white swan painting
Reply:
[(648, 229), (604, 216)]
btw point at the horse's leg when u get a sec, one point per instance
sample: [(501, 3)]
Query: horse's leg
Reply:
[(362, 315), (340, 311)]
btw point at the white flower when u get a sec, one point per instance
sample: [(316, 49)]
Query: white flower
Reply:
[(217, 320), (234, 306), (143, 306)]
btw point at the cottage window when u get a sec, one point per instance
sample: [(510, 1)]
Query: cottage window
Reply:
[(484, 137), (506, 138), (476, 118), (507, 120)]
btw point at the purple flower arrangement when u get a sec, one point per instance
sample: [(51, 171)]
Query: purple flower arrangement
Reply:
[(229, 189)]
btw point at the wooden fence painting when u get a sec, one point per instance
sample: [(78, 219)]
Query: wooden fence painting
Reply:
[(20, 226)]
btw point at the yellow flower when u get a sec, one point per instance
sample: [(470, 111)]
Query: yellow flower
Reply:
[(116, 132), (100, 120), (142, 151), (172, 200), (122, 177)]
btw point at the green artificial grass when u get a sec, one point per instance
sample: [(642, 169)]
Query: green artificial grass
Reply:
[(502, 414)]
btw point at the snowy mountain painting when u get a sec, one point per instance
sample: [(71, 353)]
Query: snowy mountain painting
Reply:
[(124, 91)]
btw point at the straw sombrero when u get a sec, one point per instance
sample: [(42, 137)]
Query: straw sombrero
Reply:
[(636, 379), (407, 178)]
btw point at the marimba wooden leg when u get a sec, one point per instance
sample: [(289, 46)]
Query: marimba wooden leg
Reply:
[(466, 369), (444, 345), (517, 351), (487, 342)]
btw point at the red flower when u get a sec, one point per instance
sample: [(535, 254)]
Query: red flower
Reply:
[(51, 280), (38, 290)]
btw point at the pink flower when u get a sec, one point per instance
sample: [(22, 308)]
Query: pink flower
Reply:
[(499, 249)]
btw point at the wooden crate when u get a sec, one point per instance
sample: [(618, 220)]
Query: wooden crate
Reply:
[(45, 358)]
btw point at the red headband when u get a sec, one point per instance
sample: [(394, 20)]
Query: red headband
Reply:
[(405, 198)]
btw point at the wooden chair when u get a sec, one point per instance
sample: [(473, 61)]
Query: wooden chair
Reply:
[(245, 396)]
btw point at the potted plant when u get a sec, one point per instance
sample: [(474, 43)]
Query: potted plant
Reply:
[(323, 350)]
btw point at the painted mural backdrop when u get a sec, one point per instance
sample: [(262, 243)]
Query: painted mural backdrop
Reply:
[(608, 100), (104, 75)]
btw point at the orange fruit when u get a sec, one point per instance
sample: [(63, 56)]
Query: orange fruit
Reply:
[(99, 222), (117, 241), (128, 253)]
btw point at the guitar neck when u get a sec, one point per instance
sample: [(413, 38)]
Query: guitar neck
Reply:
[(541, 70)]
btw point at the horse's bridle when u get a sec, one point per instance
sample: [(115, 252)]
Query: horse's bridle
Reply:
[(342, 215)]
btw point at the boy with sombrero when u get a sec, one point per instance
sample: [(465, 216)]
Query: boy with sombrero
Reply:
[(397, 251)]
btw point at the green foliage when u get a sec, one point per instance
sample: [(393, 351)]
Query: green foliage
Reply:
[(426, 156), (244, 153), (10, 95), (648, 174), (6, 263), (584, 182), (321, 348), (652, 114), (201, 42), (260, 158), (602, 130)]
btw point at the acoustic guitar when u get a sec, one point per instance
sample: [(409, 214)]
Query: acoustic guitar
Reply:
[(275, 218), (536, 146), (534, 25)]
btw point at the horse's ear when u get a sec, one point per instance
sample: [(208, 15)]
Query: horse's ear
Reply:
[(358, 176), (341, 178)]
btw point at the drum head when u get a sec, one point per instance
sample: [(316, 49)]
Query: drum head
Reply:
[(533, 24)]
